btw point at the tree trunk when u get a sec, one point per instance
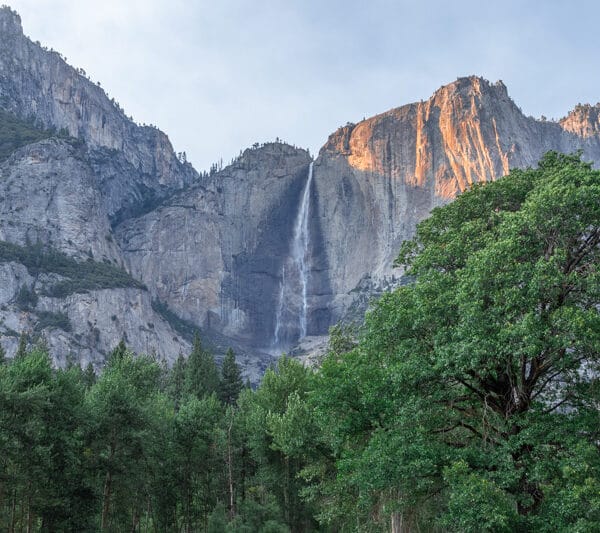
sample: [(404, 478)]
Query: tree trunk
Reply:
[(135, 521), (243, 472), (230, 472), (107, 488), (13, 512), (106, 501), (29, 513), (286, 490), (21, 515), (399, 524), (188, 518)]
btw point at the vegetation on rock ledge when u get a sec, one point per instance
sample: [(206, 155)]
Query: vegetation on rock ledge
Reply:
[(16, 133), (80, 276)]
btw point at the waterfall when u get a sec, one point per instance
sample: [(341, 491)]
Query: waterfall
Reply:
[(292, 308)]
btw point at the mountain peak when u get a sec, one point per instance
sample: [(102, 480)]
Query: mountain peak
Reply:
[(583, 120), (470, 91), (472, 85), (10, 21), (261, 154)]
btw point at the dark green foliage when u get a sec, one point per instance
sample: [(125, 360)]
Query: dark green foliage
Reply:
[(15, 133), (41, 436), (197, 443), (118, 353), (27, 298), (260, 512), (231, 379), (89, 376), (467, 403), (22, 348), (186, 329), (48, 319), (82, 276), (470, 391), (281, 435), (342, 338), (176, 385), (2, 355), (202, 374)]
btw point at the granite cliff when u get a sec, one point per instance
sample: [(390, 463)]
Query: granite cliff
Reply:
[(247, 253), (63, 195), (377, 179)]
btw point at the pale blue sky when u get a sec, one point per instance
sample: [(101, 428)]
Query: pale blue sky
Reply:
[(219, 75)]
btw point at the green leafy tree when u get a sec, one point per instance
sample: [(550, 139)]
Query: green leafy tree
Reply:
[(275, 444), (231, 379), (197, 439), (25, 454), (118, 353), (89, 375), (43, 474), (473, 387), (124, 406)]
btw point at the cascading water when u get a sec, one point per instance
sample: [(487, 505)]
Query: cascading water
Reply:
[(292, 308)]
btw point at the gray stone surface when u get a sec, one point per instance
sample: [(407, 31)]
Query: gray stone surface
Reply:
[(214, 252), (213, 247), (377, 179), (133, 163)]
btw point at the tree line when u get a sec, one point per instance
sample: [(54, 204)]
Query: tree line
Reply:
[(469, 401)]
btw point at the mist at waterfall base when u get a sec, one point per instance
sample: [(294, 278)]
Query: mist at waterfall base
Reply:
[(292, 305)]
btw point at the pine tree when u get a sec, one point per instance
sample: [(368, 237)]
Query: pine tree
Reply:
[(22, 348), (118, 353), (231, 379), (89, 375), (2, 355), (177, 381), (202, 374), (41, 344)]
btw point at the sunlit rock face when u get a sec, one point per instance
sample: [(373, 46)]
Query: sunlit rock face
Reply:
[(584, 121), (215, 249), (377, 179)]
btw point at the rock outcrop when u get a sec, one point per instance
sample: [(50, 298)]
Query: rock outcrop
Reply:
[(211, 251), (214, 251), (38, 83), (377, 179), (64, 194)]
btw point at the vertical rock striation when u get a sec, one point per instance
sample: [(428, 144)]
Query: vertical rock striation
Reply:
[(66, 194), (215, 252), (377, 179), (215, 249), (38, 83)]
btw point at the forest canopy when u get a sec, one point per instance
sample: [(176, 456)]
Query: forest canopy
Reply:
[(469, 401)]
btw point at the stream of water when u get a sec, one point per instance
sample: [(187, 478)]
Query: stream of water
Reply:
[(292, 307)]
